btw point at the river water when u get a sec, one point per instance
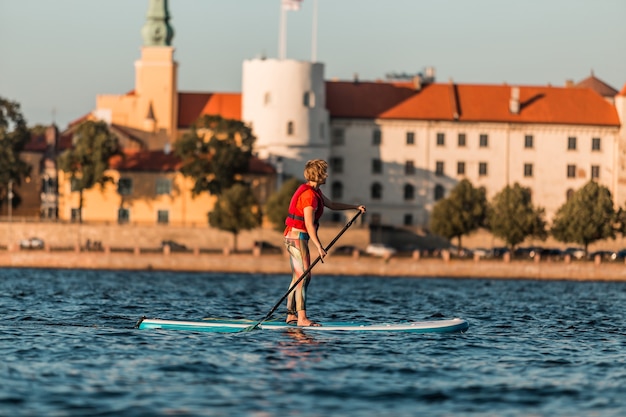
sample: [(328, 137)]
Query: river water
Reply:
[(69, 347)]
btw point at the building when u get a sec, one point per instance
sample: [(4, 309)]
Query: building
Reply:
[(396, 146)]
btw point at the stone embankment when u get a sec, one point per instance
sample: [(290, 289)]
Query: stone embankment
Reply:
[(256, 262)]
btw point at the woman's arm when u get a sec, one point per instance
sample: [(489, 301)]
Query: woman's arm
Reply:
[(309, 222)]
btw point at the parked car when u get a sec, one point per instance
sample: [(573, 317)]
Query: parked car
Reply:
[(266, 247), (499, 251), (574, 252), (174, 246), (620, 255), (31, 243), (605, 255), (480, 252), (346, 250), (380, 249)]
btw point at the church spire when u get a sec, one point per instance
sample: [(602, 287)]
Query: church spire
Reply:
[(157, 30)]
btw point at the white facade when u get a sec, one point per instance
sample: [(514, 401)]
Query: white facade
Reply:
[(285, 103), (507, 158)]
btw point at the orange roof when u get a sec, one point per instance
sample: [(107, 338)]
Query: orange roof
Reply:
[(623, 92), (597, 85), (193, 105), (470, 103)]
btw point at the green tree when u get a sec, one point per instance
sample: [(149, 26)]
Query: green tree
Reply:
[(215, 153), (588, 216), (277, 206), (236, 209), (14, 135), (513, 218), (88, 159), (462, 212)]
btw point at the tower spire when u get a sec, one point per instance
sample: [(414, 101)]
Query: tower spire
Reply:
[(157, 30)]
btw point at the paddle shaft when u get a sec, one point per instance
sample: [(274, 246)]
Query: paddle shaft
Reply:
[(308, 270)]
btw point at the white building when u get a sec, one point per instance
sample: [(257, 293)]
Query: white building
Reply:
[(398, 147)]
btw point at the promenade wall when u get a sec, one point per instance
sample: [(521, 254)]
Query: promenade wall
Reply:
[(132, 247)]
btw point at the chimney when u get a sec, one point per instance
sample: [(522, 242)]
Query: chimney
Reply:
[(569, 83), (356, 78), (514, 100), (417, 82)]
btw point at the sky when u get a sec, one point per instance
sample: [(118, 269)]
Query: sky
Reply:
[(56, 56)]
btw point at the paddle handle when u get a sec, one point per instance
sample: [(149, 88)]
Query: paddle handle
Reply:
[(308, 270)]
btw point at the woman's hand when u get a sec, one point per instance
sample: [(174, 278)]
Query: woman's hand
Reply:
[(362, 208)]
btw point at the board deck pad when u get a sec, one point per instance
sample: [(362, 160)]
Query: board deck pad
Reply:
[(238, 325)]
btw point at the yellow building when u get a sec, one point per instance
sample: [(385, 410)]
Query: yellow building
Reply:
[(148, 188)]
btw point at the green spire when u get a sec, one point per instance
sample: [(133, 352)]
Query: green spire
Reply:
[(157, 30)]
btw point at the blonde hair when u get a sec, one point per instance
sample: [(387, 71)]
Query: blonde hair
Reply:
[(315, 170)]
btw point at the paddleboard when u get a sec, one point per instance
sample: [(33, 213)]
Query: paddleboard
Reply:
[(231, 326)]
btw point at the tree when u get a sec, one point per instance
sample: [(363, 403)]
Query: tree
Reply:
[(462, 212), (513, 218), (88, 159), (235, 210), (14, 135), (215, 153), (277, 206), (586, 217)]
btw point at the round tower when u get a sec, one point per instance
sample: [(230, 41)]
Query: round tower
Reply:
[(285, 103)]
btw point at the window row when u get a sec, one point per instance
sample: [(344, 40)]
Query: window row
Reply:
[(376, 191), (308, 99), (338, 137), (163, 186), (123, 216)]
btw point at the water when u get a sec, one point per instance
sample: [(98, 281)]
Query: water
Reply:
[(69, 347)]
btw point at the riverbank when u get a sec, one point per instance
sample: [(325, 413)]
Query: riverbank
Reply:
[(258, 263)]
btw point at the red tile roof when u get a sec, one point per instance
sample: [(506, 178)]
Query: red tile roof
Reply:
[(623, 92), (193, 105), (471, 102), (598, 86)]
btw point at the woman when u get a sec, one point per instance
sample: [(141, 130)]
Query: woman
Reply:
[(306, 208)]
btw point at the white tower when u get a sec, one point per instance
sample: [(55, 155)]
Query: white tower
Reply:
[(285, 103)]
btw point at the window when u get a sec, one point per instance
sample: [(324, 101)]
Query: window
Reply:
[(163, 186), (528, 170), (461, 140), (376, 218), (571, 143), (408, 219), (439, 192), (483, 141), (125, 186), (290, 128), (377, 137), (409, 168), (336, 165), (569, 194), (123, 216), (571, 171), (482, 169), (376, 191), (460, 168), (409, 192), (410, 138), (595, 172), (377, 166), (75, 215), (528, 142), (441, 139), (163, 216), (267, 98), (439, 168), (595, 144), (338, 136), (336, 190), (309, 99), (74, 184)]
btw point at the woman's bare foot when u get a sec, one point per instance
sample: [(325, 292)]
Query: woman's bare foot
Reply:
[(291, 319), (308, 323)]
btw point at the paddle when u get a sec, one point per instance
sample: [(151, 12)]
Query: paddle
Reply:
[(295, 284)]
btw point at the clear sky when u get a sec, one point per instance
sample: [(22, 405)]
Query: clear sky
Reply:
[(57, 55)]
